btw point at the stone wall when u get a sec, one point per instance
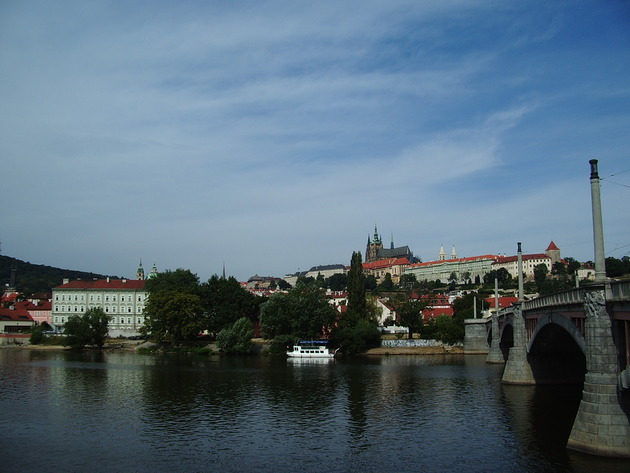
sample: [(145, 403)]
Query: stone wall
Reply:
[(406, 343)]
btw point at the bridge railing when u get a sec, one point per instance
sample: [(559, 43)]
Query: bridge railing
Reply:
[(573, 296), (619, 290)]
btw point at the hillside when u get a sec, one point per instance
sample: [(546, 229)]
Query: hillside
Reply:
[(32, 278)]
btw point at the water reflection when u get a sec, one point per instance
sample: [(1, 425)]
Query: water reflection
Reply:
[(115, 411)]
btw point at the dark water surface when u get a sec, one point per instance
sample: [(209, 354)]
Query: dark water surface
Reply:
[(124, 412)]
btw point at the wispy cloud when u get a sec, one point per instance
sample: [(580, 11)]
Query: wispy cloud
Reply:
[(274, 135)]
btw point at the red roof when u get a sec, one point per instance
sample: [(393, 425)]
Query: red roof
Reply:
[(503, 301), (434, 312), (137, 284), (18, 315), (386, 263), (552, 246), (509, 259), (28, 305), (9, 297), (457, 260)]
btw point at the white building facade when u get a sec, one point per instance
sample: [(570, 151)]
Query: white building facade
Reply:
[(123, 300), (463, 268)]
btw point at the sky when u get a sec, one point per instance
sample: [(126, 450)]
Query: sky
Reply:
[(273, 136)]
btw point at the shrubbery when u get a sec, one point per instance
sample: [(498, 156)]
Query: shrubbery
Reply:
[(237, 338)]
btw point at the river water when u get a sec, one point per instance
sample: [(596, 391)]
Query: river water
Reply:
[(126, 412)]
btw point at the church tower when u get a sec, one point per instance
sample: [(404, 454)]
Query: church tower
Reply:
[(453, 253), (442, 254), (140, 272), (154, 272), (553, 252), (371, 252)]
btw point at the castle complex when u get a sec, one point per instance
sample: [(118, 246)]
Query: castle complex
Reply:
[(376, 252)]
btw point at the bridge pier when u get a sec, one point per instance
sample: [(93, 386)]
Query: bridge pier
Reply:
[(495, 355), (517, 369), (601, 427), (476, 337)]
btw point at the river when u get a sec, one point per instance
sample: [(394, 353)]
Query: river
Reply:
[(125, 412)]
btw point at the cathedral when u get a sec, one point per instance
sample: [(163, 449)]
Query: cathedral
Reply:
[(376, 252)]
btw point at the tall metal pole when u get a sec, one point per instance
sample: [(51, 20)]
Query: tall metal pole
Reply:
[(598, 226), (521, 291), (496, 296)]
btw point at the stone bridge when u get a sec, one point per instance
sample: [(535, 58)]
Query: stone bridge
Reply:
[(577, 336)]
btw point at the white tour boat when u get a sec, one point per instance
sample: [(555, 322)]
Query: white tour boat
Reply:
[(311, 349)]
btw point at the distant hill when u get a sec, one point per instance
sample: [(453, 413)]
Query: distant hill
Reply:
[(32, 278)]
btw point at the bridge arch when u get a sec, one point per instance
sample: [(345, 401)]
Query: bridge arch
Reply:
[(558, 319), (556, 351)]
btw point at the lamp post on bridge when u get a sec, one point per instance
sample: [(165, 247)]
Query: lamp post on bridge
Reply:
[(601, 426), (517, 368), (598, 226)]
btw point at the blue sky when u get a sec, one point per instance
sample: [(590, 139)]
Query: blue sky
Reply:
[(273, 136)]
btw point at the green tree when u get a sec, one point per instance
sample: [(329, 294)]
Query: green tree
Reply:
[(319, 280), (37, 335), (302, 313), (409, 312), (572, 265), (357, 305), (236, 339), (356, 329), (540, 275), (283, 285), (502, 275), (91, 328), (387, 284), (180, 280), (225, 301), (370, 282), (615, 267), (445, 329), (408, 282), (172, 316), (559, 269), (337, 282)]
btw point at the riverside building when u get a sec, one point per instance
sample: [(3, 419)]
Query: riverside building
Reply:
[(123, 300)]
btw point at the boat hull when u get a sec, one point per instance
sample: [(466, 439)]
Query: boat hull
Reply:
[(310, 355)]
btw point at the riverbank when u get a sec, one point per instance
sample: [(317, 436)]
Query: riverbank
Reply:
[(446, 350), (259, 347)]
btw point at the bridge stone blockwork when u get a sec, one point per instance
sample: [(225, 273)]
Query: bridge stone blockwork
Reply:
[(601, 427)]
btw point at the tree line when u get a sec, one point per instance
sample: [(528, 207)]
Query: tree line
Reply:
[(179, 308)]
